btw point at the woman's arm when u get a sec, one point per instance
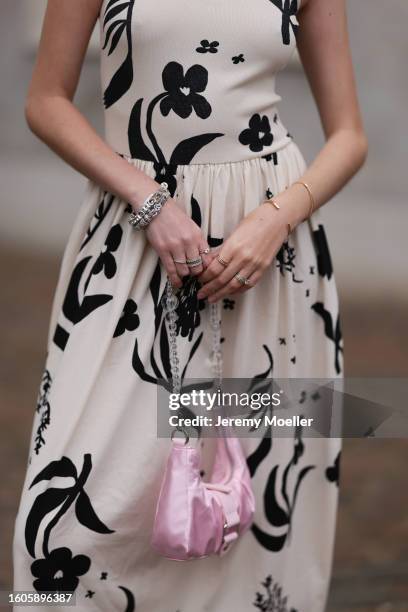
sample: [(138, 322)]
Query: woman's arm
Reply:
[(325, 53), (52, 116)]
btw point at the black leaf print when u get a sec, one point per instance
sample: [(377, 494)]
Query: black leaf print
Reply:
[(258, 135), (195, 211), (59, 571), (61, 498), (333, 333), (43, 504), (129, 320), (44, 410), (272, 600), (236, 59), (123, 77), (324, 264), (99, 216), (87, 516), (208, 47), (130, 599), (63, 468), (277, 515), (289, 9), (183, 91), (137, 146), (72, 308), (333, 471), (256, 458), (186, 149)]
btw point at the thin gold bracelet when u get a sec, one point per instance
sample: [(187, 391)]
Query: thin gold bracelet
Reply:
[(312, 200), (276, 205)]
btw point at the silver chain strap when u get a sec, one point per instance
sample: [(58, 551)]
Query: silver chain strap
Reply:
[(170, 303)]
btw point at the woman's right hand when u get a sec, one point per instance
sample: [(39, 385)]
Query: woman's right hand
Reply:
[(174, 235)]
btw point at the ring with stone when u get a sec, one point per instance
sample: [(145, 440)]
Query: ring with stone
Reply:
[(242, 279), (194, 262)]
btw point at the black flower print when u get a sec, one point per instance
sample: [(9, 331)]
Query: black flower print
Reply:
[(183, 91), (182, 94), (289, 9), (117, 21), (236, 59), (106, 260), (258, 135), (59, 571), (129, 320), (228, 304), (44, 410), (208, 47), (89, 594), (333, 471), (272, 599)]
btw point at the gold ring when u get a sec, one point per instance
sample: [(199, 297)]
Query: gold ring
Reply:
[(222, 261), (205, 251)]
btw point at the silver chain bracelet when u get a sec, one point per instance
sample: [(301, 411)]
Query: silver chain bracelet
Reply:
[(150, 208)]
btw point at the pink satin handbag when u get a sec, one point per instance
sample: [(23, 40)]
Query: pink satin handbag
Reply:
[(195, 519)]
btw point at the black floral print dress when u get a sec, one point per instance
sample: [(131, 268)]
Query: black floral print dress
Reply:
[(189, 95)]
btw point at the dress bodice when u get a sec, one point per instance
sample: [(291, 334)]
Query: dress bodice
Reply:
[(193, 81)]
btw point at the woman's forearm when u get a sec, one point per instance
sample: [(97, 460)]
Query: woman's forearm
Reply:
[(337, 162), (59, 124)]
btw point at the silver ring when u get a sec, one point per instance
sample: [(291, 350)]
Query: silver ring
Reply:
[(205, 251), (179, 262), (194, 262), (242, 279)]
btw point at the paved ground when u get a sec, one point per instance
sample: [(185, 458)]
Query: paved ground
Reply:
[(371, 556)]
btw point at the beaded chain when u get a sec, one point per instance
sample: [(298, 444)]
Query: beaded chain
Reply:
[(170, 303)]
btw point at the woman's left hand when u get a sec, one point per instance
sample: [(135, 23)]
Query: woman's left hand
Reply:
[(249, 251)]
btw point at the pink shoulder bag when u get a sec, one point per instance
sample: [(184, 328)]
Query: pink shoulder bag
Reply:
[(195, 519)]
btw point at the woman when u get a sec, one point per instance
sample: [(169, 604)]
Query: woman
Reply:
[(189, 97)]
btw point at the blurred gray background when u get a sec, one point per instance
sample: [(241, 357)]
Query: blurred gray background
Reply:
[(367, 226)]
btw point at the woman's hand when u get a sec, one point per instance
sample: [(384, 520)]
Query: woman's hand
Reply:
[(175, 236), (249, 251)]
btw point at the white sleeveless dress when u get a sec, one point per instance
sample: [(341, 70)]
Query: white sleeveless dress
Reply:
[(189, 97)]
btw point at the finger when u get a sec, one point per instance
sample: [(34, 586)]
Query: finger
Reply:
[(171, 269), (179, 255), (193, 254), (205, 253), (235, 286), (215, 268)]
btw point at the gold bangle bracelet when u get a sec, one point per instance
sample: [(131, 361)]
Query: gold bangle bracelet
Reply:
[(276, 205), (312, 200)]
